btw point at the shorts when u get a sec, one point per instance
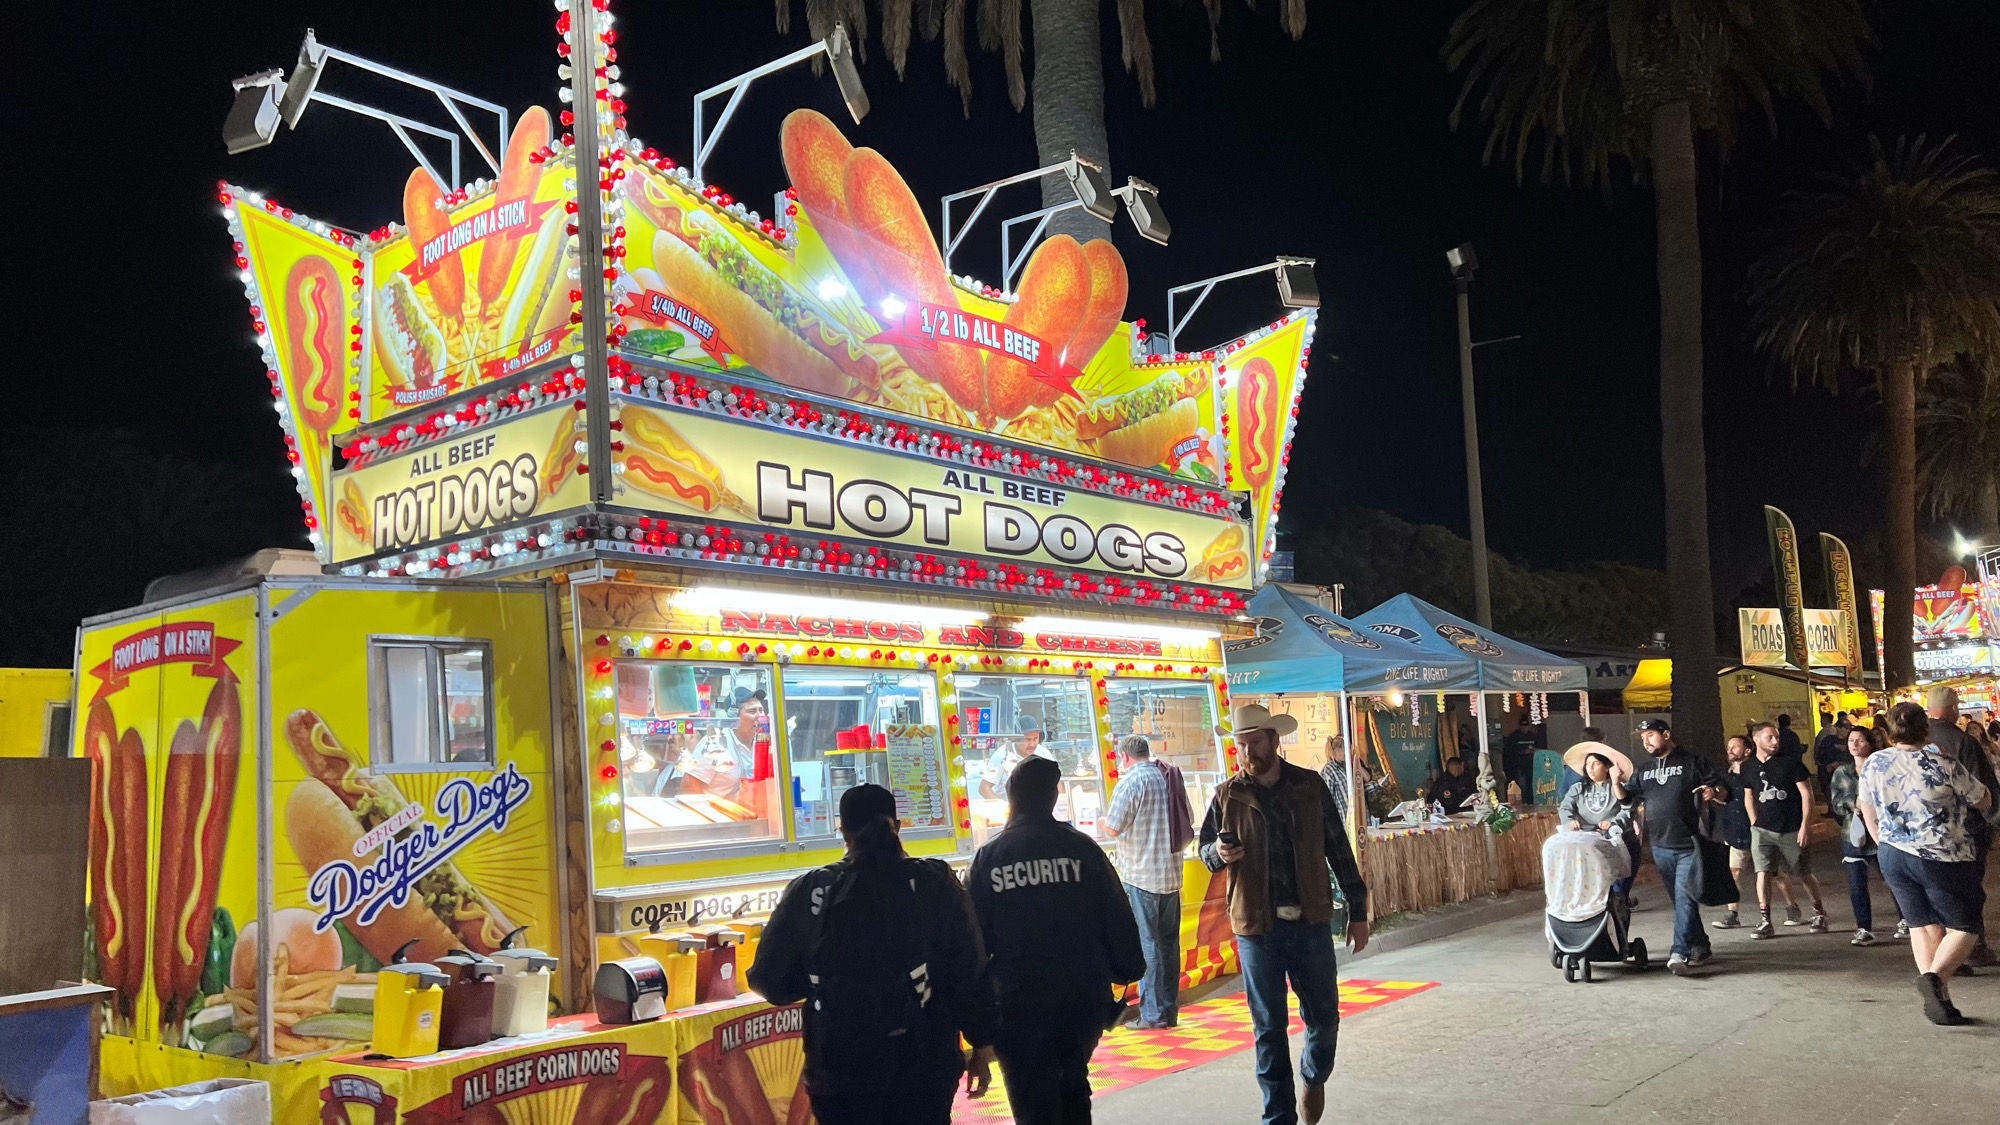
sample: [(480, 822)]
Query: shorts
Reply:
[(1934, 893), (1738, 859), (1778, 851)]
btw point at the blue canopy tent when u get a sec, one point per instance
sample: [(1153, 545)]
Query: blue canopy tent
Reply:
[(1301, 649), (1503, 665)]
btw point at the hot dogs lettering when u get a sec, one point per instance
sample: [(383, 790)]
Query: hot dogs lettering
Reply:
[(691, 464)]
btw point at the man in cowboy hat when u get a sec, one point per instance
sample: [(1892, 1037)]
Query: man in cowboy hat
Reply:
[(1276, 830)]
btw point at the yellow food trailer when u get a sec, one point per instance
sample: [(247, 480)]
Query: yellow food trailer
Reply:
[(646, 526)]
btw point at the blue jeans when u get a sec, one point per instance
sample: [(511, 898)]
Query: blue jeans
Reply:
[(1302, 953), (1159, 918), (1677, 871)]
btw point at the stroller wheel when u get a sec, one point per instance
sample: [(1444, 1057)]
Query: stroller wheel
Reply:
[(1586, 970), (1555, 957), (1638, 949), (1569, 968)]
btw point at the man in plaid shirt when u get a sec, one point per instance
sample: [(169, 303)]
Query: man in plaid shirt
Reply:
[(1334, 773), (1142, 816)]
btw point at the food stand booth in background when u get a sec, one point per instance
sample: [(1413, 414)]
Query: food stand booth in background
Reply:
[(646, 527), (1956, 636), (1509, 677)]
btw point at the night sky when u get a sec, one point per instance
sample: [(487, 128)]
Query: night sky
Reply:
[(1336, 147)]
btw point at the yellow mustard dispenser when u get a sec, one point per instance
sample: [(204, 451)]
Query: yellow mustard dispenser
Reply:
[(409, 1001), (676, 954), (521, 993)]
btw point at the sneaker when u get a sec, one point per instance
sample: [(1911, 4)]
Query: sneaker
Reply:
[(1764, 930), (1700, 957), (1937, 1009), (1792, 916), (1729, 921), (1861, 937), (1902, 931), (1817, 925), (1677, 964)]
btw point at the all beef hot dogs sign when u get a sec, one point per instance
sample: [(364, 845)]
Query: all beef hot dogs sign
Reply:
[(687, 464)]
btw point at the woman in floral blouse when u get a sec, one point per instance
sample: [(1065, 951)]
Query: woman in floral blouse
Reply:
[(1920, 803)]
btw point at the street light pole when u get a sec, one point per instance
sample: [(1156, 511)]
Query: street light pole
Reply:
[(1463, 264)]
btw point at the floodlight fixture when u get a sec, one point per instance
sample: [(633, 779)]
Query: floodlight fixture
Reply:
[(1297, 289), (838, 51), (1086, 180), (304, 80), (1462, 261), (253, 117), (265, 99), (1142, 205)]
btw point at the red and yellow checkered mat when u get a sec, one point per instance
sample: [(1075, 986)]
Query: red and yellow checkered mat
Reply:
[(1208, 1030)]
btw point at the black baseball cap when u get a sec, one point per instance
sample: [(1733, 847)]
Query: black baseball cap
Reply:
[(864, 803), (1654, 724)]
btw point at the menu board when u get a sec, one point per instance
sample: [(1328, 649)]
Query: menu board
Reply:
[(913, 774)]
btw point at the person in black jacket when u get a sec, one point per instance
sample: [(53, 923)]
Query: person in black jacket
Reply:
[(887, 950), (1062, 934)]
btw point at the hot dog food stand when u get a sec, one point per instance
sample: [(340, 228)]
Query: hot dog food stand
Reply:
[(642, 527)]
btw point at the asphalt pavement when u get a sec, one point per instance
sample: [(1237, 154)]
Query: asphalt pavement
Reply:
[(1799, 1028)]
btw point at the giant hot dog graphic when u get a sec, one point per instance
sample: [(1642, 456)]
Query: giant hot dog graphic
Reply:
[(329, 812), (1257, 421), (195, 805), (314, 348), (118, 801)]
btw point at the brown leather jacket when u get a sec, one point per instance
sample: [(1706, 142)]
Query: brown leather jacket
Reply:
[(1319, 843)]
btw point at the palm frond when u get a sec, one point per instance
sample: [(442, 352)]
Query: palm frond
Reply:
[(1135, 48), (1576, 81), (1958, 437), (1895, 262)]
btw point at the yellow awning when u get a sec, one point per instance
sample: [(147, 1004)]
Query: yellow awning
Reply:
[(1652, 686)]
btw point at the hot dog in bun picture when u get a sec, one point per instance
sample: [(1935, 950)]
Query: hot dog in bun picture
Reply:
[(770, 325), (1141, 426), (659, 461), (329, 812), (351, 509), (410, 343)]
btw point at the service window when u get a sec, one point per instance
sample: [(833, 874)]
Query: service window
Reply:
[(1003, 719), (696, 756), (1178, 720), (847, 727), (432, 704)]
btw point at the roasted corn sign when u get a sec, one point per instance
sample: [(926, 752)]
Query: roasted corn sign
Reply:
[(493, 477)]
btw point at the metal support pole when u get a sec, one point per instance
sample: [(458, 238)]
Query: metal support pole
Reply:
[(704, 138), (1485, 753), (1482, 590), (596, 328)]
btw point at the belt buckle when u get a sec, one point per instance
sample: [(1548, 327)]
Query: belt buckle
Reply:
[(1290, 913)]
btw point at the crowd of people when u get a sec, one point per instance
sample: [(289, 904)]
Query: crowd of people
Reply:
[(896, 961), (1914, 797)]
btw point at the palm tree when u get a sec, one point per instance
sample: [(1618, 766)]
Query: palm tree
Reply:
[(1958, 444), (1886, 270), (1595, 83), (1068, 85)]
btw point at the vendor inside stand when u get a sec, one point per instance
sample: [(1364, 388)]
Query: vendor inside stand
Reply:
[(695, 747), (1452, 787)]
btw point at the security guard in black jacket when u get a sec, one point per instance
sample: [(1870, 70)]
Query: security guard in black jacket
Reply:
[(1061, 933)]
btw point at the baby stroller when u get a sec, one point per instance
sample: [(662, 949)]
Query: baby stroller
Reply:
[(1586, 919)]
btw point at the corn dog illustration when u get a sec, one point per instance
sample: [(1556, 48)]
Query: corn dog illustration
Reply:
[(1108, 285), (118, 802), (200, 791), (816, 155), (1055, 293), (518, 177), (658, 460)]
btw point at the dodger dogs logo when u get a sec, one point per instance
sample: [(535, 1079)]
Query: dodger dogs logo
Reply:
[(365, 887), (1467, 641)]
